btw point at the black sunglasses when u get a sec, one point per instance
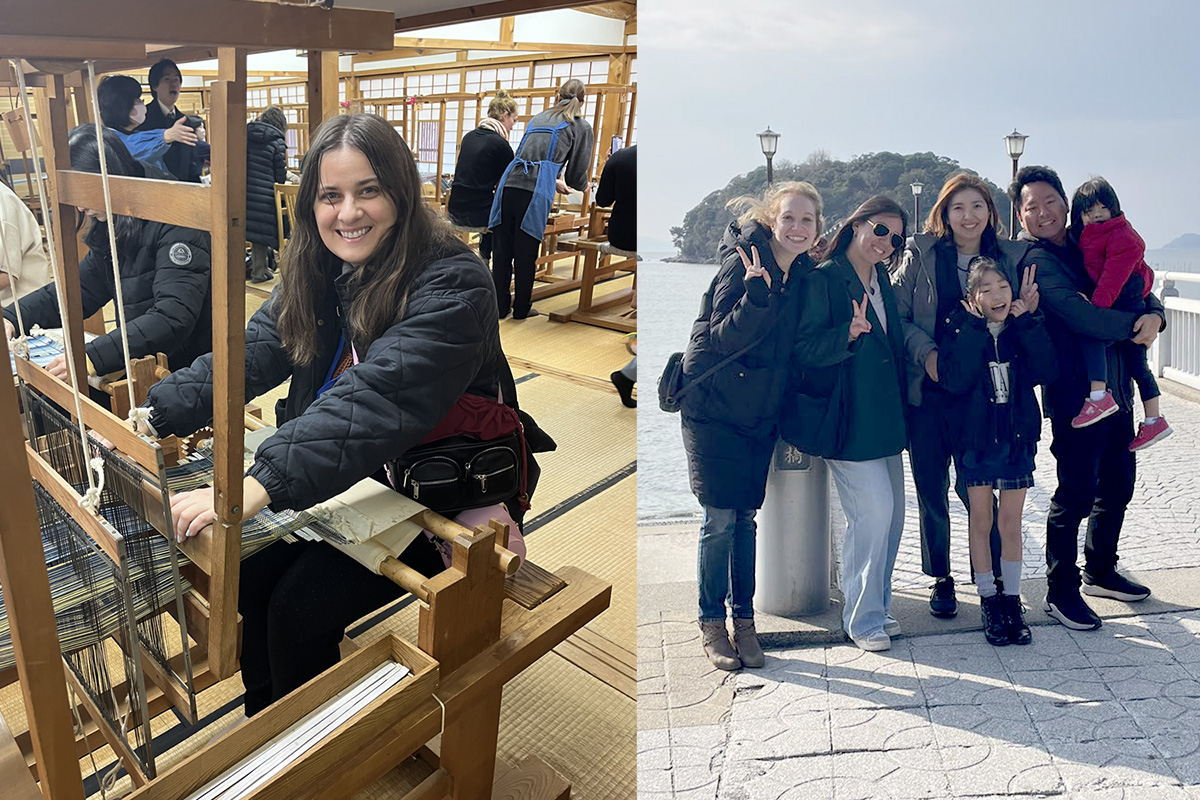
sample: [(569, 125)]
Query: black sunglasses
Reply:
[(879, 229)]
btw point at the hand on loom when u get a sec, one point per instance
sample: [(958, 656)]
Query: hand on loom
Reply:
[(9, 330), (192, 512), (58, 367)]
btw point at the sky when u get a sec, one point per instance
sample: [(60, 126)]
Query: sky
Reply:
[(1101, 88)]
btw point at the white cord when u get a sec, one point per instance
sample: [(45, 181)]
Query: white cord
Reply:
[(112, 236), (443, 705), (58, 281)]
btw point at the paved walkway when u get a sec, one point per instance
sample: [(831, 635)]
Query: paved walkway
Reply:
[(1113, 713)]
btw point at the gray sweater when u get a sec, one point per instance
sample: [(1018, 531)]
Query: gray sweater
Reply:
[(574, 148)]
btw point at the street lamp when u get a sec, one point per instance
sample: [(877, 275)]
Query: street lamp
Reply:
[(769, 140), (916, 187), (1015, 143)]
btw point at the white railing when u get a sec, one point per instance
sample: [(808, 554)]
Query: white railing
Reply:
[(1176, 352)]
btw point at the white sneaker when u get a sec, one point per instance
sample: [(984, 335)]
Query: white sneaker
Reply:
[(874, 642), (891, 627)]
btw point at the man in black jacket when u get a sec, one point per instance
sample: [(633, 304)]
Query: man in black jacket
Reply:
[(1095, 468), (165, 82)]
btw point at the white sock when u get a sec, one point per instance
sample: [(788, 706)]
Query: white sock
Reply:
[(985, 582), (1010, 572), (1097, 395), (1150, 420)]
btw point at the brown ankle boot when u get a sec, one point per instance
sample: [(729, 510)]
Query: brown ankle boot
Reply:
[(745, 641), (718, 647)]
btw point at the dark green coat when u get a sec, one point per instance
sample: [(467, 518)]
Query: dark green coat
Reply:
[(845, 399)]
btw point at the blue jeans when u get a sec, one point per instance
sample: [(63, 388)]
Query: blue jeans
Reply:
[(725, 564), (872, 495)]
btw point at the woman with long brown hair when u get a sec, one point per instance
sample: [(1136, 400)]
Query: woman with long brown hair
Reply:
[(929, 283), (384, 322)]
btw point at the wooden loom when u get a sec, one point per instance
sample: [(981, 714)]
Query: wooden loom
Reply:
[(471, 639)]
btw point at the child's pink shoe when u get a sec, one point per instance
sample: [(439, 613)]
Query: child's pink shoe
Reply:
[(1095, 410), (1149, 434)]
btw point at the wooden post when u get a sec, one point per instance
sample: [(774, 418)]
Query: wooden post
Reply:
[(322, 89), (441, 151), (31, 612), (57, 152), (228, 139), (506, 28), (463, 618)]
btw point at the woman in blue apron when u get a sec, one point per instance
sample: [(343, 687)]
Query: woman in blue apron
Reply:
[(557, 141)]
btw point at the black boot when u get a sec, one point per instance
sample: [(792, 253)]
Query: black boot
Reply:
[(994, 628), (941, 599), (1014, 619), (624, 388)]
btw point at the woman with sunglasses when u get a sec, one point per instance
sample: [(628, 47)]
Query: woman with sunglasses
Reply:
[(846, 404), (929, 283), (738, 355)]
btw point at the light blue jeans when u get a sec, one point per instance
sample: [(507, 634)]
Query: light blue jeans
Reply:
[(872, 495), (725, 563)]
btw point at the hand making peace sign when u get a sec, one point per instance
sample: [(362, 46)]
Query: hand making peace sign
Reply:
[(1029, 288), (754, 267), (859, 324)]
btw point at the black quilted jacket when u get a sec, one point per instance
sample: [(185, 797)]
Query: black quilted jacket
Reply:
[(448, 342), (166, 286), (266, 165)]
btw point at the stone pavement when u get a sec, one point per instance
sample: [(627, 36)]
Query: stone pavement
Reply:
[(1113, 713)]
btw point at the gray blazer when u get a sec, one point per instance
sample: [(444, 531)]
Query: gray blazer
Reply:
[(915, 284)]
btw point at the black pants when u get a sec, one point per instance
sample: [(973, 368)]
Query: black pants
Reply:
[(929, 453), (1095, 480), (485, 247), (1137, 366), (514, 255), (296, 601)]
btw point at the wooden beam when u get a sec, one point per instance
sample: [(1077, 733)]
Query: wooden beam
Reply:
[(502, 8), (100, 532), (523, 59), (183, 204), (115, 740), (507, 24), (228, 138), (46, 47), (14, 774), (209, 23), (322, 89), (31, 611), (409, 46)]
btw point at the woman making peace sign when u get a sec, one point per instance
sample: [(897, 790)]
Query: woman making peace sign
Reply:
[(846, 404)]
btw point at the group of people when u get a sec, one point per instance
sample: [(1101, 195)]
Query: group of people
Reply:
[(879, 341)]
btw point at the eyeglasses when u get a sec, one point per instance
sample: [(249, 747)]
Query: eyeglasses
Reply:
[(881, 230)]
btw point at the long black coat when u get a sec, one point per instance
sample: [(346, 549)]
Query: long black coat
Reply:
[(977, 422), (266, 165), (165, 281), (447, 343), (730, 419)]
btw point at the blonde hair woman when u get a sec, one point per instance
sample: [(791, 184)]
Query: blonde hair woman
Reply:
[(482, 158), (738, 354), (555, 154)]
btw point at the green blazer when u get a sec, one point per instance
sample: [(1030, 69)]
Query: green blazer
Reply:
[(845, 399)]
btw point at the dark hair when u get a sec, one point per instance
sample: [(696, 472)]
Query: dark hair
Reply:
[(981, 266), (274, 116), (380, 286), (1034, 174), (1094, 191), (85, 157), (158, 72), (938, 221), (872, 206), (116, 96)]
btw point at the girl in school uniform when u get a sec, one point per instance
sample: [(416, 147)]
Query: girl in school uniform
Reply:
[(998, 351)]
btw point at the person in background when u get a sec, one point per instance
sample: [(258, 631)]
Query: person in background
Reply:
[(122, 110), (23, 263), (165, 81), (482, 158), (266, 165), (618, 188), (558, 140), (165, 278)]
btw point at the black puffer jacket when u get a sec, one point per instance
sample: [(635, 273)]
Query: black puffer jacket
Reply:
[(447, 343), (266, 165), (976, 420), (166, 284), (729, 419), (482, 159)]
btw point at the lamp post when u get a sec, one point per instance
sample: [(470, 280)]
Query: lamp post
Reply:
[(916, 187), (1015, 143), (769, 140)]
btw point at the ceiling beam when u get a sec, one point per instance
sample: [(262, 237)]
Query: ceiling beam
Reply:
[(486, 10)]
